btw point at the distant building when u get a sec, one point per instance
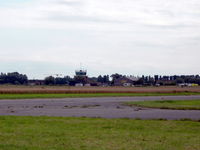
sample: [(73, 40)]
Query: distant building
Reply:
[(93, 82), (125, 81), (78, 84), (88, 85), (36, 82), (81, 72), (81, 76)]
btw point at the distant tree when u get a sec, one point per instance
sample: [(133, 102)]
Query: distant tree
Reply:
[(59, 81), (179, 80), (67, 79), (156, 77), (166, 78), (151, 81), (3, 78), (140, 81), (103, 79), (115, 77), (106, 79), (146, 79), (13, 78), (94, 79), (49, 80), (100, 79)]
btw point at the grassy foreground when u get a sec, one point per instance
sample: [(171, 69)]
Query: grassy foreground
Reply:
[(169, 104), (31, 96), (57, 133)]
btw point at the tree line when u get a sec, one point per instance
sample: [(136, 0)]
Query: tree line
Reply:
[(13, 78), (22, 79), (67, 80)]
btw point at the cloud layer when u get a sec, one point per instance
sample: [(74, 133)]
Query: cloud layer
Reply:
[(130, 37)]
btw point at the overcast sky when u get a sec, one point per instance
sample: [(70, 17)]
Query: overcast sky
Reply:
[(132, 37)]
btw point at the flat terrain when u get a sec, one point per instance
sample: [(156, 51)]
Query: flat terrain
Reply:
[(68, 89), (83, 95), (57, 133), (168, 104), (111, 107)]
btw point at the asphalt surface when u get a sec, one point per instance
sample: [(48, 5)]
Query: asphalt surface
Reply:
[(107, 107)]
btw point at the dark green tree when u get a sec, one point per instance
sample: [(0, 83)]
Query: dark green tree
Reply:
[(49, 80)]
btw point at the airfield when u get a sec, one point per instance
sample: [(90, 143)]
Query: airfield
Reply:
[(103, 107), (88, 118), (95, 102)]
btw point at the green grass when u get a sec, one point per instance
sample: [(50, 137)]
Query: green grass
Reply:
[(31, 96), (169, 104), (57, 133)]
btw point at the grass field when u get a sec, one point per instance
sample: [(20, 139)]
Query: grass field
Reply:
[(32, 96), (57, 133), (169, 104)]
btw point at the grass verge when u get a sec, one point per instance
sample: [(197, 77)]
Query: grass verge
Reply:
[(168, 104), (41, 133), (32, 96)]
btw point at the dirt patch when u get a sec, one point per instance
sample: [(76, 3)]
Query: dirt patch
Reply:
[(82, 106), (66, 89), (39, 106)]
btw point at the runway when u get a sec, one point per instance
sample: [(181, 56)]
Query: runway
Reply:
[(107, 107)]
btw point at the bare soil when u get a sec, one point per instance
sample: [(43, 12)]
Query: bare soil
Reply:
[(68, 89)]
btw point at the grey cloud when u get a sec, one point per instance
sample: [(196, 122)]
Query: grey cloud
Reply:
[(70, 18), (172, 26), (124, 29), (31, 67), (166, 13), (69, 3), (151, 45), (194, 41)]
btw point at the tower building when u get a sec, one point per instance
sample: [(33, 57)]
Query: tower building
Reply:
[(81, 76)]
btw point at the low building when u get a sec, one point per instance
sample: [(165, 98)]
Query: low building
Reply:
[(36, 82), (125, 81), (78, 84), (87, 85)]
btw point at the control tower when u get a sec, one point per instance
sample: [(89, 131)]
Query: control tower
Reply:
[(81, 76), (81, 73)]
